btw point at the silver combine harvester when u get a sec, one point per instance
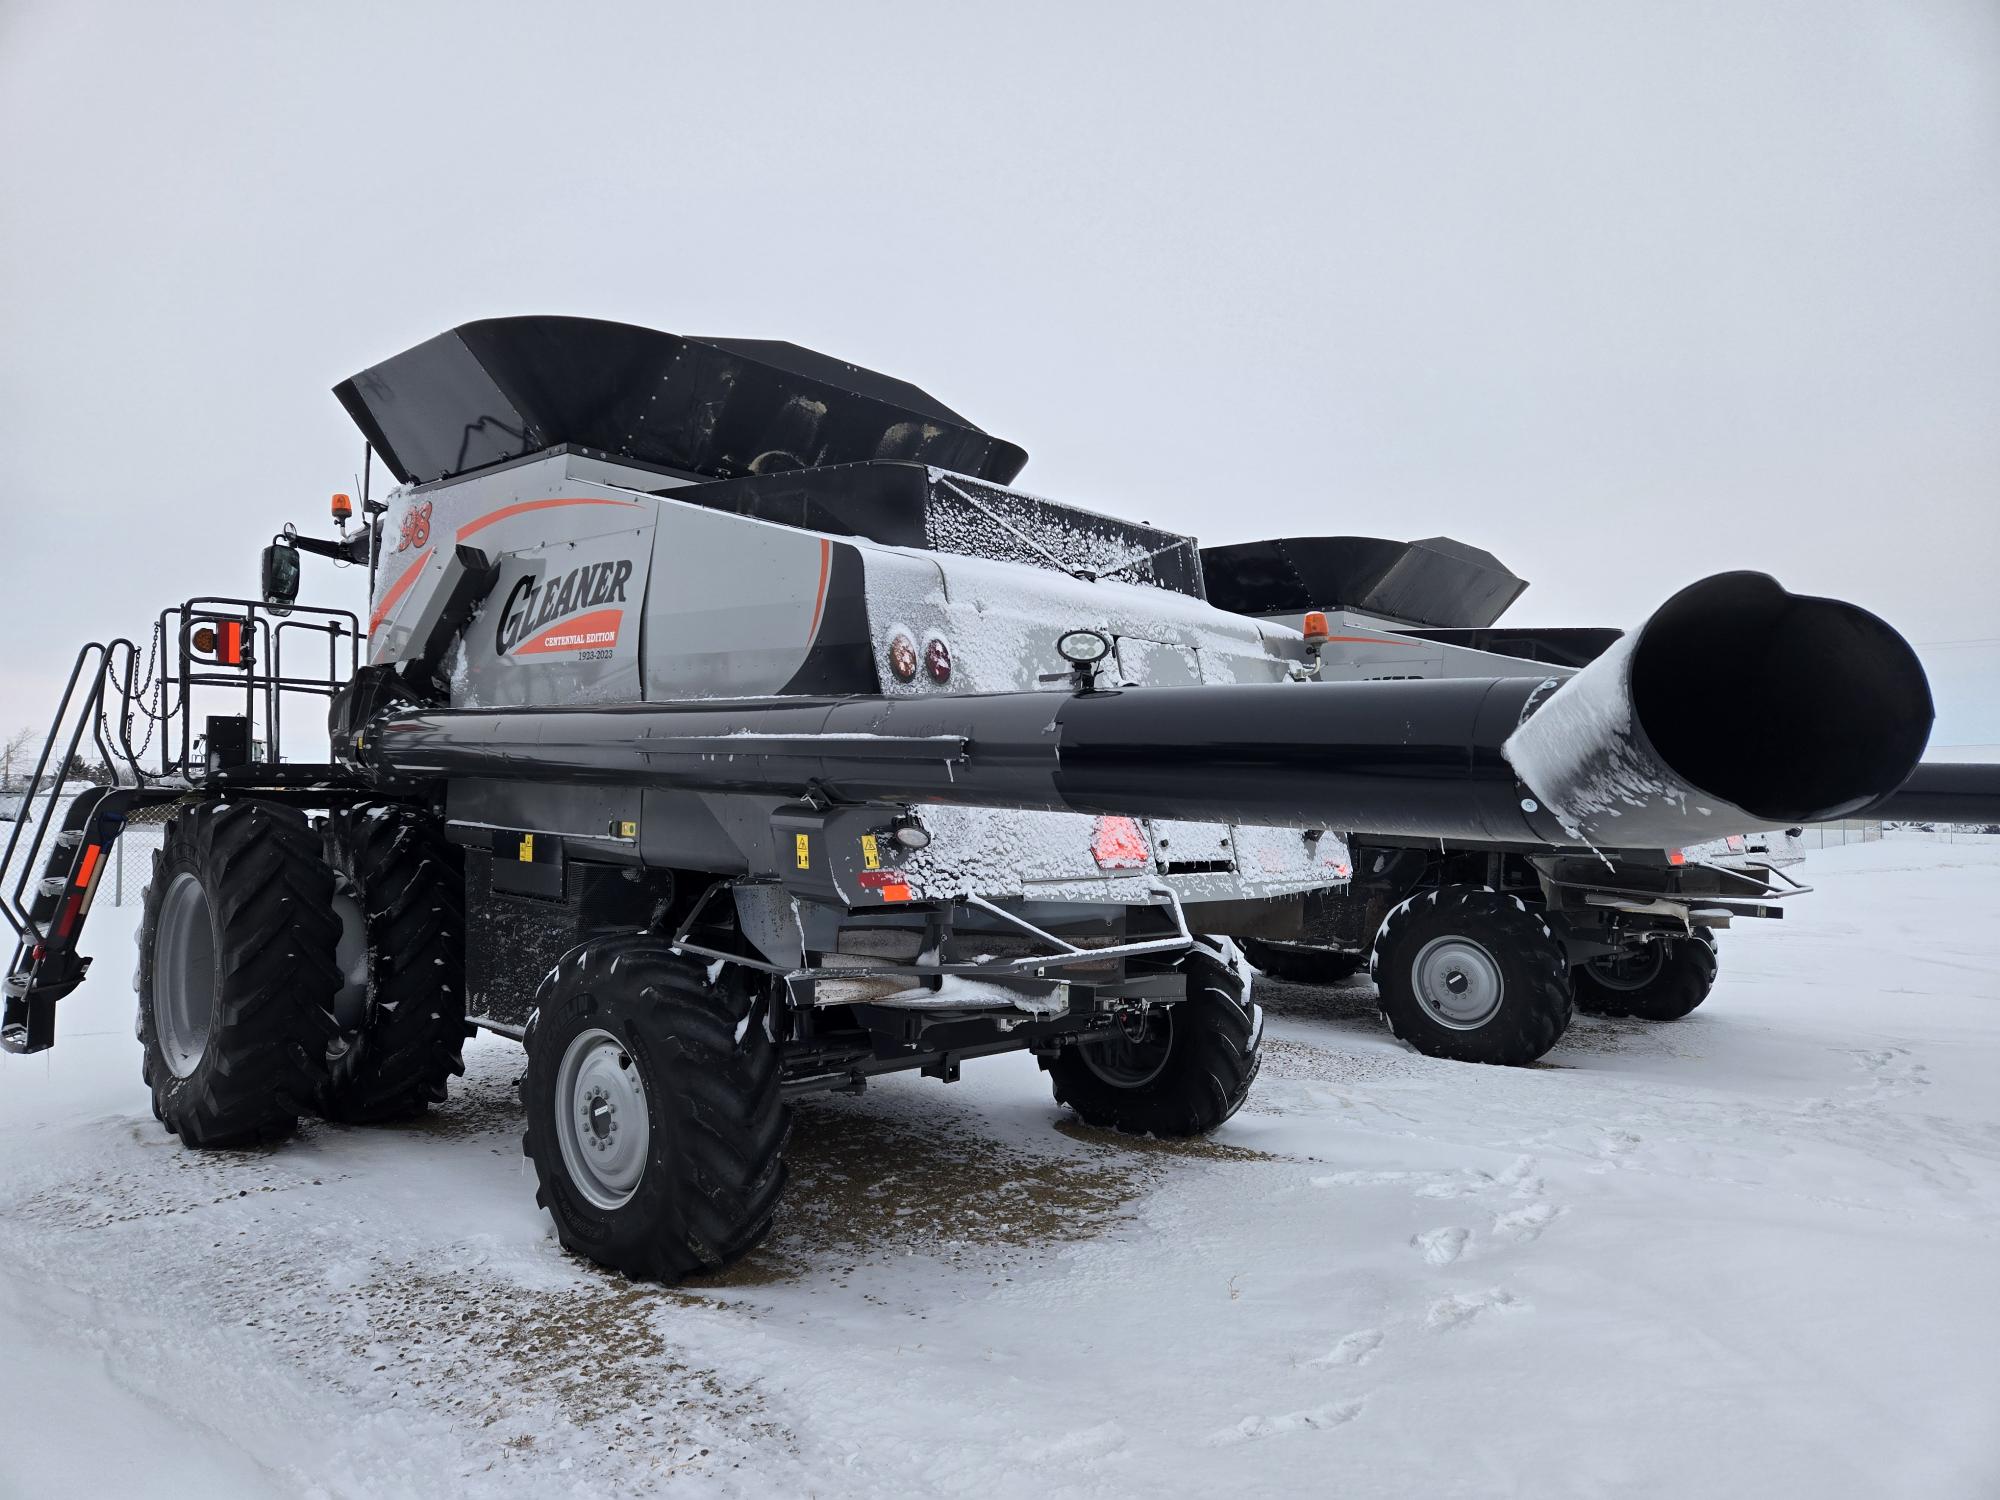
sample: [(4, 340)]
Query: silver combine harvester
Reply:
[(723, 727)]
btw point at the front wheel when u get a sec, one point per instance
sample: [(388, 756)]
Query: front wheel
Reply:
[(1468, 974), (236, 973), (1173, 1070), (1662, 981), (654, 1117)]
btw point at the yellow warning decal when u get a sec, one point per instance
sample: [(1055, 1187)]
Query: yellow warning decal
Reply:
[(805, 851), (527, 848), (871, 853)]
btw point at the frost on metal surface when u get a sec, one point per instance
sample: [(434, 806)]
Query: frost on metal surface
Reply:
[(1047, 856), (976, 519), (960, 992), (1582, 752), (1001, 621)]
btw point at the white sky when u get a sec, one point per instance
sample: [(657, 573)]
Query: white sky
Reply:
[(1626, 293)]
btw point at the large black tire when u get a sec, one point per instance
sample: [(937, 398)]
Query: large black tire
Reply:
[(236, 973), (402, 1035), (1663, 982), (1303, 965), (1468, 974), (630, 1039), (1182, 1071)]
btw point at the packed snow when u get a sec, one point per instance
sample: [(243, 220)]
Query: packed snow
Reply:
[(1750, 1252)]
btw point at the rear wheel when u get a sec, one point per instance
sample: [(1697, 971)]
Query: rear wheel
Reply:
[(654, 1118), (400, 897), (1469, 974), (1303, 965), (1173, 1070), (1661, 981), (236, 973)]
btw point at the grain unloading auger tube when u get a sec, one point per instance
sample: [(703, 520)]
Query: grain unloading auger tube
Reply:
[(1737, 706)]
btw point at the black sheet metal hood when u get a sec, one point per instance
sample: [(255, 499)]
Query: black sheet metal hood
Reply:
[(494, 390), (1436, 581)]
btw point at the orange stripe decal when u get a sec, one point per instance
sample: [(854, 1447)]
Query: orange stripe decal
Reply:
[(596, 631), (91, 854), (393, 595), (1369, 640), (819, 599), (521, 508)]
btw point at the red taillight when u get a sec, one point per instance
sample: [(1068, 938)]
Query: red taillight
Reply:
[(903, 658), (1677, 856), (937, 660), (1119, 844)]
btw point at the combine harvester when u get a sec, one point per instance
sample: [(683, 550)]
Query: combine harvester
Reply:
[(1480, 948), (725, 728)]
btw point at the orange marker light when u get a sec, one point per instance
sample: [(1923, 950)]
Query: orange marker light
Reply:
[(343, 509), (1314, 629), (1677, 856)]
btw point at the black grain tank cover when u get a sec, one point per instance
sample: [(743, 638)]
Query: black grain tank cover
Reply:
[(501, 388), (1436, 581), (914, 505)]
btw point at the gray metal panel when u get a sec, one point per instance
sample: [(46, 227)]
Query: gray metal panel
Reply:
[(734, 604)]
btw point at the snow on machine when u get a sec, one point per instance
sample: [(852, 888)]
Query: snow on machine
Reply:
[(724, 727), (1481, 948)]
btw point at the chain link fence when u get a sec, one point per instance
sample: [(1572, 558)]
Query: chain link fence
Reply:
[(1836, 835), (132, 855)]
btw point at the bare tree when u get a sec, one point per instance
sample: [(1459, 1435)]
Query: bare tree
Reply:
[(16, 756)]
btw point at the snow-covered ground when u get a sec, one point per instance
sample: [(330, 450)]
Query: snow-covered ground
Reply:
[(1753, 1252)]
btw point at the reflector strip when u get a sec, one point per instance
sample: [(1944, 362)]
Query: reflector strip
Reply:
[(521, 508), (890, 885), (91, 854), (1119, 844)]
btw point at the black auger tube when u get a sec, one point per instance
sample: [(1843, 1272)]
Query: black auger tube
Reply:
[(1420, 758), (1736, 707), (1944, 792)]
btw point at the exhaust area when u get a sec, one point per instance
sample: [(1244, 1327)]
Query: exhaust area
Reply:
[(1736, 707)]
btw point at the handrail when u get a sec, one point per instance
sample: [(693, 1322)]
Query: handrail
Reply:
[(100, 657)]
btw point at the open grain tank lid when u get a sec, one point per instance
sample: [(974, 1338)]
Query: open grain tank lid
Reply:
[(1436, 581), (501, 388)]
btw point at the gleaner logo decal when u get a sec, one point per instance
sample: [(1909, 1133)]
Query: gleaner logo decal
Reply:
[(543, 616)]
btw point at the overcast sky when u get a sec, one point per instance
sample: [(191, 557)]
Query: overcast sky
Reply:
[(1625, 293)]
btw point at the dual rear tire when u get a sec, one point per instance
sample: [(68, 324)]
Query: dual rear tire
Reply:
[(286, 969)]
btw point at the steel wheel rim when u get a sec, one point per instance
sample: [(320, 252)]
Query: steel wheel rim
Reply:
[(1629, 971), (1128, 1062), (1458, 983), (601, 1120), (184, 974)]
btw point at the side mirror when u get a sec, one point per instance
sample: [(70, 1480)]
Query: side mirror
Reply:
[(281, 576)]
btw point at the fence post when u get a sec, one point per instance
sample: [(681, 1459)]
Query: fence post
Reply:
[(118, 899)]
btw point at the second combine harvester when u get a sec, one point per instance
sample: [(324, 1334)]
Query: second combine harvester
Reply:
[(729, 729)]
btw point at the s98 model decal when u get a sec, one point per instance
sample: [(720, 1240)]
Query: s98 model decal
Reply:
[(564, 613)]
